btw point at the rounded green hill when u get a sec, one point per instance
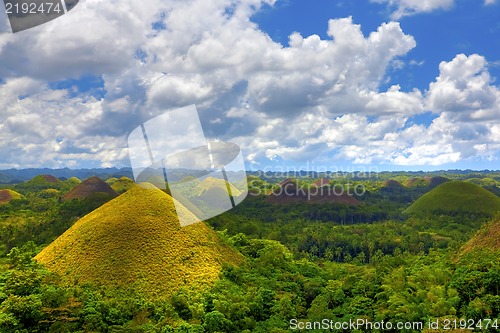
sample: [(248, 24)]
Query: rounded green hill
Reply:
[(136, 240), (44, 179), (212, 184), (73, 181), (121, 185), (425, 181), (456, 197), (391, 183), (39, 183), (414, 182), (436, 181), (50, 193)]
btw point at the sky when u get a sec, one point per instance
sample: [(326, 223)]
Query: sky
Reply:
[(311, 85)]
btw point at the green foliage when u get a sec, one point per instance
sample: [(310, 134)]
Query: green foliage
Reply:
[(26, 309), (216, 322), (20, 258), (300, 261), (22, 282)]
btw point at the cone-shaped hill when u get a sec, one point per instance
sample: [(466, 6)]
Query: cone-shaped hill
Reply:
[(73, 181), (45, 179), (41, 182), (289, 192), (415, 181), (50, 193), (214, 185), (88, 187), (456, 197), (322, 182), (7, 196), (436, 181), (393, 184), (121, 185), (425, 181), (486, 239), (136, 239)]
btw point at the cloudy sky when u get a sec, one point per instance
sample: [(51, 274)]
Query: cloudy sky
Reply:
[(386, 84)]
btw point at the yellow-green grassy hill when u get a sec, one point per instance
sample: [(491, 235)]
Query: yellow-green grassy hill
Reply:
[(214, 184), (121, 185), (486, 239), (136, 240)]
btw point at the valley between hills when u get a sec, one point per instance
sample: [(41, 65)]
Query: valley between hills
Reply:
[(101, 253)]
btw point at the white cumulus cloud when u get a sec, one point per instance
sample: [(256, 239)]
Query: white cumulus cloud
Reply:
[(313, 97), (410, 7)]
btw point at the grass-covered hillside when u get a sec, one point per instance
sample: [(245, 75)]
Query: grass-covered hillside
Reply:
[(456, 197), (41, 182), (121, 185), (486, 239), (136, 239), (89, 187), (7, 195), (211, 183)]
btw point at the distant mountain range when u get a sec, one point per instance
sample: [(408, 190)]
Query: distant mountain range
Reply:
[(13, 176)]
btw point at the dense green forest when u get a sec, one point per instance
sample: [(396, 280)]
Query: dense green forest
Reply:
[(379, 261)]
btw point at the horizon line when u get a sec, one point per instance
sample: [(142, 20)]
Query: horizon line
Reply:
[(267, 171)]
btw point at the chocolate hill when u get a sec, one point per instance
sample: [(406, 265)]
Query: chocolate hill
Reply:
[(436, 181), (322, 182), (415, 181), (426, 181), (215, 185), (42, 182), (7, 196), (47, 178), (486, 239), (289, 192), (73, 181), (456, 197), (121, 185), (135, 240), (209, 193), (89, 187), (391, 183)]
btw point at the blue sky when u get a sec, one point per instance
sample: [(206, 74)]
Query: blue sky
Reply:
[(375, 84), (467, 27)]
